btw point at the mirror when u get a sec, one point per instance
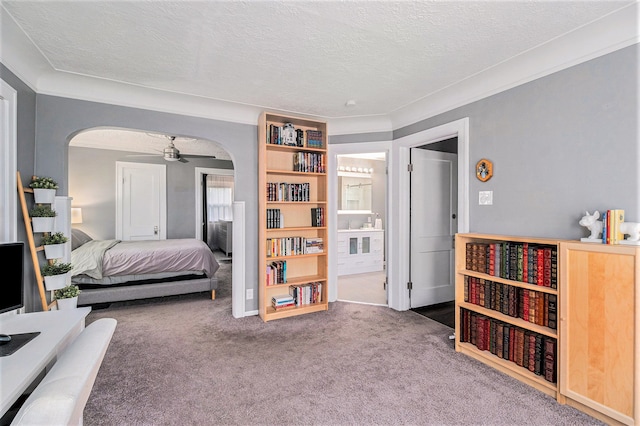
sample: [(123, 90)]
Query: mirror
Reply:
[(355, 194)]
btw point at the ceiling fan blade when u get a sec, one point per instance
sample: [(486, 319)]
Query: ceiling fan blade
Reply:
[(143, 155), (198, 156), (182, 159)]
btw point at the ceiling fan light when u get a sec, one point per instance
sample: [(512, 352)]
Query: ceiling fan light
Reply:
[(171, 158)]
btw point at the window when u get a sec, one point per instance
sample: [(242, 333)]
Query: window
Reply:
[(219, 198)]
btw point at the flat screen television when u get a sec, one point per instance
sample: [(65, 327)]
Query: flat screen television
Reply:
[(12, 281)]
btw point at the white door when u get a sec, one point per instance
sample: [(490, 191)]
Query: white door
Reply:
[(141, 201), (434, 199)]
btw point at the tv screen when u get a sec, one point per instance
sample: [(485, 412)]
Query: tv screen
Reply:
[(12, 281)]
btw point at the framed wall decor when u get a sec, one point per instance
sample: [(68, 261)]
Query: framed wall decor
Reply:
[(484, 170)]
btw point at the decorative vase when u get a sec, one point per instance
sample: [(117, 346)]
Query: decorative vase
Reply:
[(43, 224), (44, 196), (54, 282), (68, 303), (54, 251)]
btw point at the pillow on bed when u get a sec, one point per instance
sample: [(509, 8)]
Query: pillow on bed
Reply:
[(78, 238)]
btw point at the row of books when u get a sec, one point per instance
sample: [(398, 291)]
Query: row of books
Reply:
[(533, 306), (299, 295), (309, 162), (317, 217), (306, 294), (310, 139), (282, 191), (277, 272), (611, 220), (527, 349), (530, 263), (293, 246), (274, 219)]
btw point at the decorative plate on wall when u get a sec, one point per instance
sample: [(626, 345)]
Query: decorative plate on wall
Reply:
[(484, 170)]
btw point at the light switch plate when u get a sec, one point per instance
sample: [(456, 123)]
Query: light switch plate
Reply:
[(485, 198), (249, 293)]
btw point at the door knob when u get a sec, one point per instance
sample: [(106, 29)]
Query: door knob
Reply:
[(155, 230)]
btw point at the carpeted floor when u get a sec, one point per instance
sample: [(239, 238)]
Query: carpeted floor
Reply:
[(187, 361)]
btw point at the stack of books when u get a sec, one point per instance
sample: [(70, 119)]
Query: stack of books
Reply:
[(283, 301)]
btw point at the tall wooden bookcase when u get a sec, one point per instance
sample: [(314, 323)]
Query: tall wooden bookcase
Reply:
[(481, 314), (302, 191), (600, 327)]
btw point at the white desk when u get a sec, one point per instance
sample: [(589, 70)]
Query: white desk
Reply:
[(19, 370)]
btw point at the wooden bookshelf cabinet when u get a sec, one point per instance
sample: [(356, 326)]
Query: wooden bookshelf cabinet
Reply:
[(600, 347), (276, 165), (492, 312)]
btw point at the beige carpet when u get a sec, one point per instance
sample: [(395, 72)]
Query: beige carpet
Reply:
[(187, 361)]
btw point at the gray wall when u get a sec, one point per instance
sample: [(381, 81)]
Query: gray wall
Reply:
[(26, 130), (92, 177), (59, 119), (560, 145)]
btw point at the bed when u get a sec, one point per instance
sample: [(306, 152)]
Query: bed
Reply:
[(112, 270)]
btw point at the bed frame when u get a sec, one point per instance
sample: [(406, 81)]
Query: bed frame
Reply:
[(147, 291)]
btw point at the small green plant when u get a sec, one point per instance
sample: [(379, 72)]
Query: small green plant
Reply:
[(67, 292), (55, 269), (42, 210), (54, 238), (43, 183)]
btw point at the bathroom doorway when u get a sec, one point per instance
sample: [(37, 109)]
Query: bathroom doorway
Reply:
[(361, 245)]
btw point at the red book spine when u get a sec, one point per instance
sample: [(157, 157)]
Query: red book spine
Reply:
[(547, 267), (525, 308), (540, 267)]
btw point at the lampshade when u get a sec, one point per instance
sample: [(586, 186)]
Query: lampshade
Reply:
[(76, 215)]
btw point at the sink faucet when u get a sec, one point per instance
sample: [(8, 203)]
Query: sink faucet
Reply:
[(350, 224)]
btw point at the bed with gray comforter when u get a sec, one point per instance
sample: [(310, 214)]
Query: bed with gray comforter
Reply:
[(114, 270)]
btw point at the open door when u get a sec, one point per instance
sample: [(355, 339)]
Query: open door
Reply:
[(434, 199)]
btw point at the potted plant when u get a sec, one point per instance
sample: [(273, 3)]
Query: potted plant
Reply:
[(67, 297), (56, 275), (44, 189), (42, 218), (54, 245)]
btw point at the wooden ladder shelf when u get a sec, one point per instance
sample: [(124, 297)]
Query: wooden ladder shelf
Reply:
[(32, 246)]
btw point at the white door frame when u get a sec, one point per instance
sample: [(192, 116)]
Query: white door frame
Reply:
[(200, 190), (120, 165), (333, 151), (399, 250), (8, 162)]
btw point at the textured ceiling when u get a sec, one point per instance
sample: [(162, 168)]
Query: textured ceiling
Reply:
[(307, 57)]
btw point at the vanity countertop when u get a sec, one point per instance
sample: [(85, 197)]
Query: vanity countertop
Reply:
[(361, 230)]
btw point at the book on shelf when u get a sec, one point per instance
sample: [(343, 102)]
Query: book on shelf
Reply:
[(276, 272), (611, 220), (313, 245), (314, 139), (282, 191), (274, 219), (524, 262), (527, 349), (317, 217), (282, 299), (306, 294), (309, 162)]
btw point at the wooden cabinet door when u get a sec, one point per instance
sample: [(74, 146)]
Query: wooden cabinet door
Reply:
[(599, 328)]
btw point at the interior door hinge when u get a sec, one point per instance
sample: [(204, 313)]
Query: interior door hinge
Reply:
[(409, 167), (410, 285)]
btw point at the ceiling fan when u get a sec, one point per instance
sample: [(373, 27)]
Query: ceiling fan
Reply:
[(171, 153)]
